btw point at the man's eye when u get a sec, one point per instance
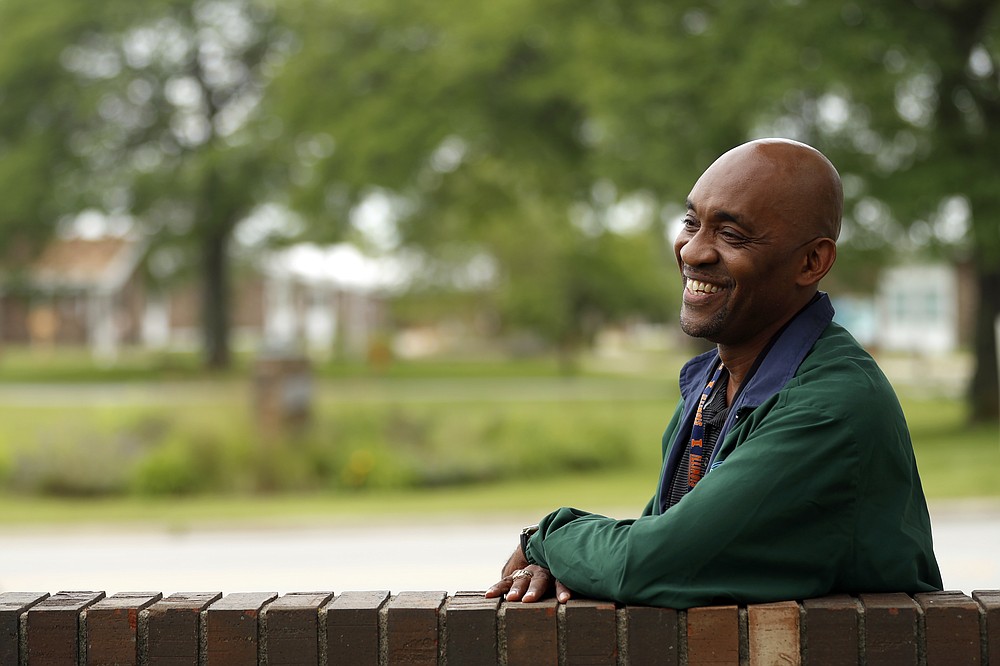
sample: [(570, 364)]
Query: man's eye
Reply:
[(732, 237), (689, 224)]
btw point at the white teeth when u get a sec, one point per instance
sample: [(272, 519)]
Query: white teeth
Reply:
[(701, 287)]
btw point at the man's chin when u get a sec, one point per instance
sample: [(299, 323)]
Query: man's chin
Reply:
[(708, 329)]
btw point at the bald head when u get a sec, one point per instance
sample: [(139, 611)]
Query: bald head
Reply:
[(759, 234), (798, 182)]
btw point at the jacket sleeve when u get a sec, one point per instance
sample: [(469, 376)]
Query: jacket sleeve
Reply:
[(777, 520)]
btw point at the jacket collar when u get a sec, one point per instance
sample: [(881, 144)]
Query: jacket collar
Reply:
[(777, 364)]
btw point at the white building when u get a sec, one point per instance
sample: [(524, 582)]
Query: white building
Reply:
[(918, 309)]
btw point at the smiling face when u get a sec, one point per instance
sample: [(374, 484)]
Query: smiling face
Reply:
[(757, 237)]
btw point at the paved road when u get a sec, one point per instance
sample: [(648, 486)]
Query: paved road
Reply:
[(437, 555)]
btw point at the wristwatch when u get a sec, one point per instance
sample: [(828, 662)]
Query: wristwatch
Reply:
[(525, 535)]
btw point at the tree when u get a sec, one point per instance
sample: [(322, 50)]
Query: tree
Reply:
[(939, 62), (38, 116), (472, 121), (156, 115), (904, 95)]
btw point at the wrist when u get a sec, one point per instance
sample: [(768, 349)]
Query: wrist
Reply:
[(526, 535)]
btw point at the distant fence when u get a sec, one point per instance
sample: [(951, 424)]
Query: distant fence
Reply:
[(433, 628)]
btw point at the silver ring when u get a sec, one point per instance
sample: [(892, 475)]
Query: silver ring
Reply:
[(520, 573)]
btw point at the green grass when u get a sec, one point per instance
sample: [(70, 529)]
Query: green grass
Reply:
[(955, 459), (365, 433), (75, 365), (445, 437), (621, 493)]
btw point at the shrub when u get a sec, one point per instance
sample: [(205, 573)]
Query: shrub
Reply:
[(212, 448), (67, 461)]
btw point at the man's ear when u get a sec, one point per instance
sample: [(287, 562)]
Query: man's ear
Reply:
[(817, 261)]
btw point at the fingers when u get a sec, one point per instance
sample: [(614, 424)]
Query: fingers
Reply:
[(499, 588), (533, 586), (521, 581), (513, 586), (528, 585), (563, 593), (515, 563)]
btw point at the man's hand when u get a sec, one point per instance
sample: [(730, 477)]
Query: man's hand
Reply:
[(526, 582)]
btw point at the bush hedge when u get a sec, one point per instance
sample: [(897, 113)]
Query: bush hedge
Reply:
[(158, 451)]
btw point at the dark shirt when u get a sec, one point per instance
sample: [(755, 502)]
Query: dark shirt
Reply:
[(713, 416)]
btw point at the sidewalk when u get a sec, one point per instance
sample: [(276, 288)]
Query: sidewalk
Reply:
[(436, 555)]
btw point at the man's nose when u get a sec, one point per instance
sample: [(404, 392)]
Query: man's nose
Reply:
[(699, 249)]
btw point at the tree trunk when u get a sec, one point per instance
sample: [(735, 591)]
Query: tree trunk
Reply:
[(984, 387), (215, 300)]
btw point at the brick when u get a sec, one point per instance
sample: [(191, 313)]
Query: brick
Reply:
[(471, 635), (890, 629), (412, 626), (773, 633), (53, 627), (113, 627), (591, 630), (652, 635), (173, 628), (292, 628), (530, 632), (830, 629), (231, 634), (12, 606), (989, 600), (713, 635), (352, 627), (951, 628)]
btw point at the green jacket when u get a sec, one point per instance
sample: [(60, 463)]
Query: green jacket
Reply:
[(812, 490)]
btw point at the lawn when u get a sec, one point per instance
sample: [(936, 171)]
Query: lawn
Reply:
[(468, 438), (954, 458)]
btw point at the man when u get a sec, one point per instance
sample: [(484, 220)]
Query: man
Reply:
[(788, 471)]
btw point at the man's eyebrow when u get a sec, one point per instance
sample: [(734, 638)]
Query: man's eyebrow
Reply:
[(719, 214), (728, 217)]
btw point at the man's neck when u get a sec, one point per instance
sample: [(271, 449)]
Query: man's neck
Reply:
[(738, 362), (740, 358)]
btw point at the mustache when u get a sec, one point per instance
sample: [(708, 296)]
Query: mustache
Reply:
[(702, 276)]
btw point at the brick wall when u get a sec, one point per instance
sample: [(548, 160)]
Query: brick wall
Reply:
[(434, 628)]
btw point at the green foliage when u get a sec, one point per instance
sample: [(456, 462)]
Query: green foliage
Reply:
[(514, 129), (144, 109), (389, 442), (496, 162), (38, 115), (66, 459), (526, 107), (186, 462), (74, 365), (173, 469), (394, 434), (947, 469)]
